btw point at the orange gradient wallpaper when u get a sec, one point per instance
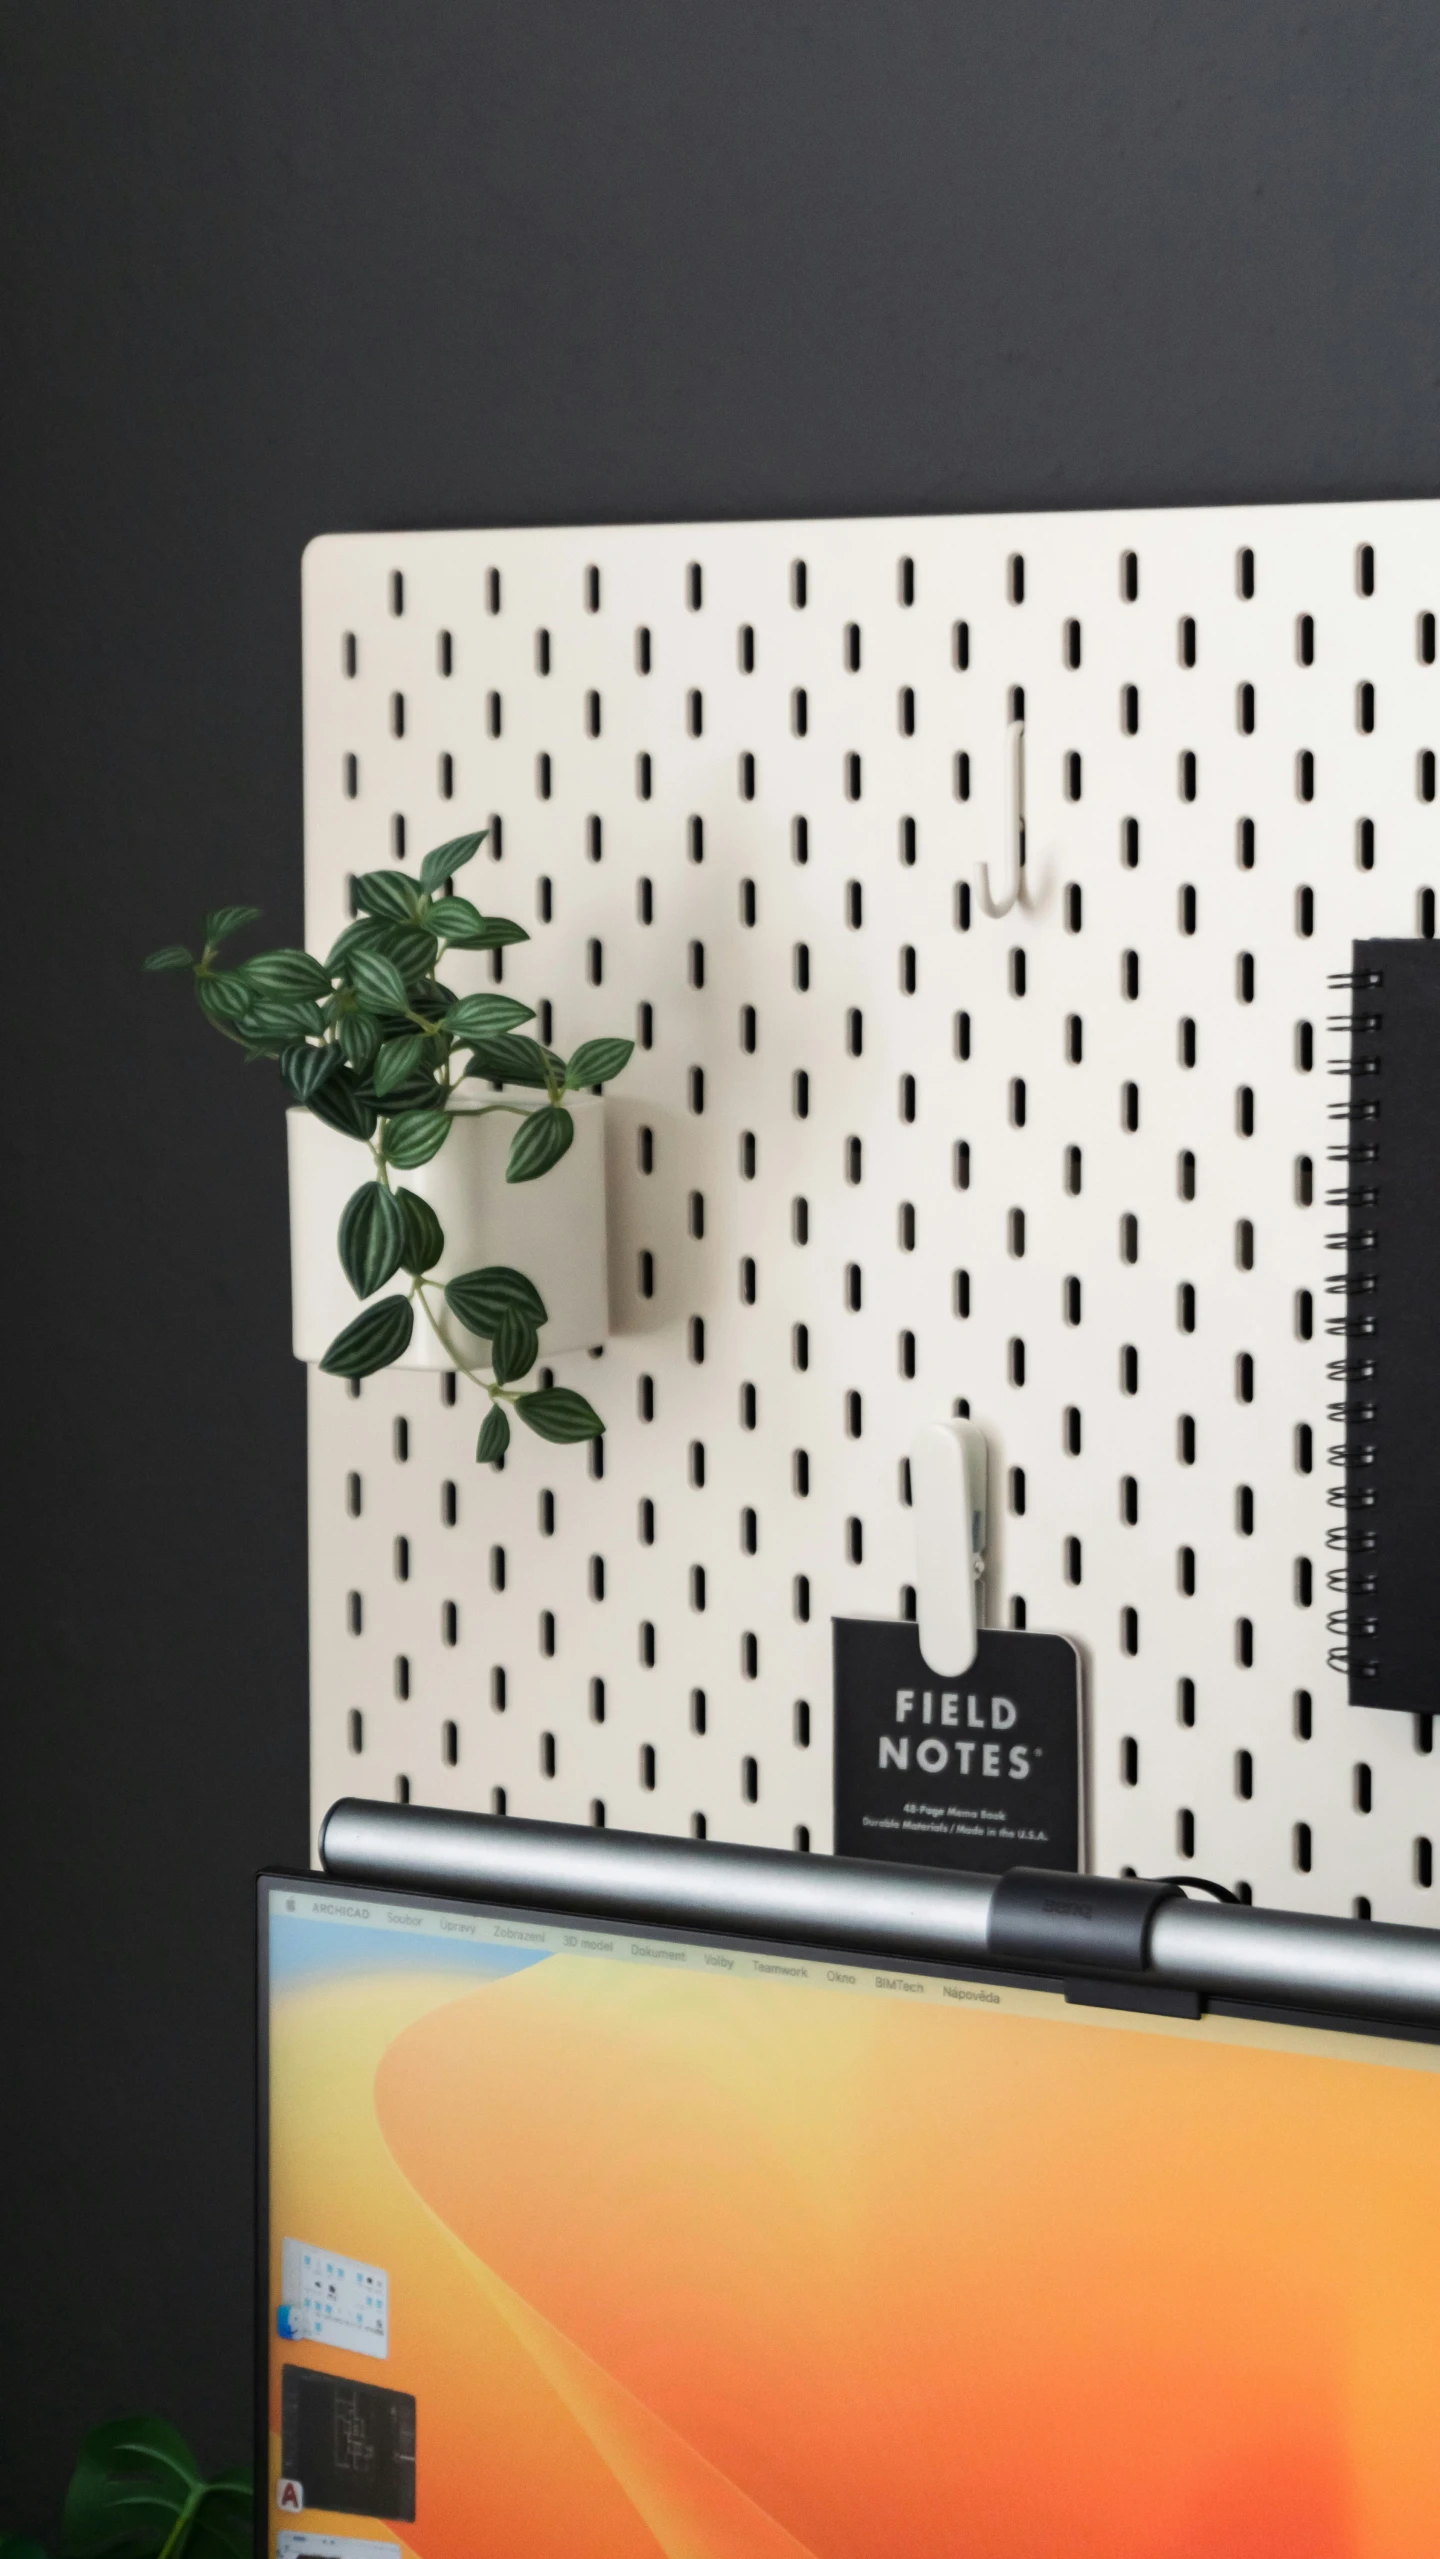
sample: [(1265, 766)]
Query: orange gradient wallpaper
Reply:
[(591, 2247)]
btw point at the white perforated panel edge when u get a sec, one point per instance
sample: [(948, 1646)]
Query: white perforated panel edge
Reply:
[(748, 773)]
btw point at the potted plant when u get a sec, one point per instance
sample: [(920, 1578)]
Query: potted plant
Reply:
[(375, 1050)]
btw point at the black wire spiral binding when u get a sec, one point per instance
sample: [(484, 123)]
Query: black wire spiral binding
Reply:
[(1355, 1582)]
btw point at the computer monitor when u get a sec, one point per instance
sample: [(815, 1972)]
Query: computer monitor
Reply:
[(587, 2240)]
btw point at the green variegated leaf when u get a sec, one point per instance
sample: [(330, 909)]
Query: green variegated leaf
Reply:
[(363, 935), (377, 1336), (224, 998), (511, 1061), (539, 1141), (514, 1348), (377, 981), (341, 1105), (558, 1413), (456, 920), (485, 1017), (174, 956), (419, 1092), (424, 1234), (496, 932), (359, 1037), (281, 1017), (372, 1238), (305, 1068), (494, 1436), (442, 863), (412, 1137), (596, 1061), (222, 921), (480, 1298), (413, 948), (284, 973), (397, 1059), (387, 893)]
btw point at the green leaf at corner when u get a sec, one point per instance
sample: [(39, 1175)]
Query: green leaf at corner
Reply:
[(133, 2482), (558, 1413), (540, 1141), (482, 1298), (377, 1336), (484, 933), (496, 932), (174, 956), (339, 1104), (13, 2545), (596, 1061), (444, 860), (412, 1137), (284, 973), (510, 1061), (225, 998), (494, 1436), (222, 921), (363, 935), (424, 1234), (359, 1037), (306, 1068), (456, 920), (284, 1017), (372, 1238), (515, 1347), (397, 1059), (413, 949), (387, 893), (483, 1017), (377, 981)]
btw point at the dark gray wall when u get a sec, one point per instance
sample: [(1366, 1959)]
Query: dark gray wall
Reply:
[(269, 270)]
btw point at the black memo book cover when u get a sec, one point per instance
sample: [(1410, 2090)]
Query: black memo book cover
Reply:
[(1389, 1367), (981, 1771)]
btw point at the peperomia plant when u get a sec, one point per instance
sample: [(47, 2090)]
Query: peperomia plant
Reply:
[(373, 1042)]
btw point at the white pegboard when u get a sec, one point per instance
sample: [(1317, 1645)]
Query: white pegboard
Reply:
[(717, 824)]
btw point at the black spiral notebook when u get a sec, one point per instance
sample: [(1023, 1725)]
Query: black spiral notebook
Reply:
[(1384, 1370)]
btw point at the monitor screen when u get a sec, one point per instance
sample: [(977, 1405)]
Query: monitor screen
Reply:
[(592, 2244)]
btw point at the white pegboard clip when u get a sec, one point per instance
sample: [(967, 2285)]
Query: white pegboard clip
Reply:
[(999, 901), (948, 1480)]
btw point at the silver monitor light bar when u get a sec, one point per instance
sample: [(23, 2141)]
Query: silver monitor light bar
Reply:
[(1089, 1926)]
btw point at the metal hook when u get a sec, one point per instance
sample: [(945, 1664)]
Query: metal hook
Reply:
[(1000, 903)]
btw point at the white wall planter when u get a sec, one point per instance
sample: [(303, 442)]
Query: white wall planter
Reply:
[(552, 1229)]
